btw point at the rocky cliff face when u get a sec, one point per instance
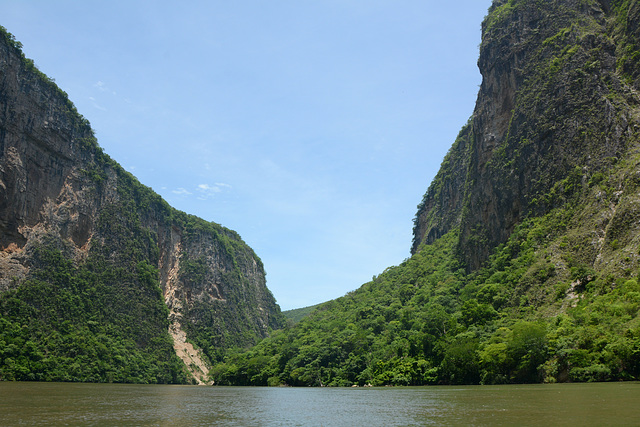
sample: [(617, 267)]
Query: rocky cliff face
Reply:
[(59, 191), (558, 104), (539, 197), (441, 207)]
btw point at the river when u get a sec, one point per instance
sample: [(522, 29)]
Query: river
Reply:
[(594, 404)]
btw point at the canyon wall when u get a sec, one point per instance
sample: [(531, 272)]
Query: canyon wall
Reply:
[(59, 192)]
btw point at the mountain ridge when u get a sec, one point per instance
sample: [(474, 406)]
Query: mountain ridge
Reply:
[(526, 255), (75, 225)]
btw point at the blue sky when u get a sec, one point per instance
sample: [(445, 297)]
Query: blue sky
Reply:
[(312, 128)]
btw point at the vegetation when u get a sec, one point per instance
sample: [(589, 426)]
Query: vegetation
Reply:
[(95, 323), (525, 265), (93, 310), (525, 317), (551, 296), (104, 319), (297, 314)]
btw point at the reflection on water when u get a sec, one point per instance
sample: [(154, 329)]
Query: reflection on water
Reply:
[(119, 404)]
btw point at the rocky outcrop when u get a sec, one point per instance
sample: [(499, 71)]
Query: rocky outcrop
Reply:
[(441, 206), (57, 188), (557, 102)]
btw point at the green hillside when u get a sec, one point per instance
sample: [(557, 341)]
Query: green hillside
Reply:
[(527, 244), (297, 314), (427, 321)]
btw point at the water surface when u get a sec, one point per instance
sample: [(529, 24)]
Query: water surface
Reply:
[(145, 405)]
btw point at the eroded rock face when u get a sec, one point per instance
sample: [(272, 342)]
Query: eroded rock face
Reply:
[(441, 207), (58, 188), (554, 103)]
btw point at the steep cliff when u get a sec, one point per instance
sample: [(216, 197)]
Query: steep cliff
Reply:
[(558, 98), (91, 258), (525, 263), (441, 206)]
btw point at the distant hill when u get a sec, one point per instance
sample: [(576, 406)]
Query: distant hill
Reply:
[(297, 314)]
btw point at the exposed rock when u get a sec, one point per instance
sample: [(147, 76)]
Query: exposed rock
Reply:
[(553, 106), (58, 187)]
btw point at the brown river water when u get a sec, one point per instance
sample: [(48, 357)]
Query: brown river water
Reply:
[(68, 404)]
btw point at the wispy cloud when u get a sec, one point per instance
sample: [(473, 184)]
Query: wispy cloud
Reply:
[(207, 191), (182, 192), (96, 105), (102, 87), (202, 191), (206, 188)]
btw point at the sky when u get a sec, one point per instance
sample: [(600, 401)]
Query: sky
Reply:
[(312, 128)]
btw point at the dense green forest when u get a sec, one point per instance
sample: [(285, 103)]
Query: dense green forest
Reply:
[(102, 321), (427, 321)]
